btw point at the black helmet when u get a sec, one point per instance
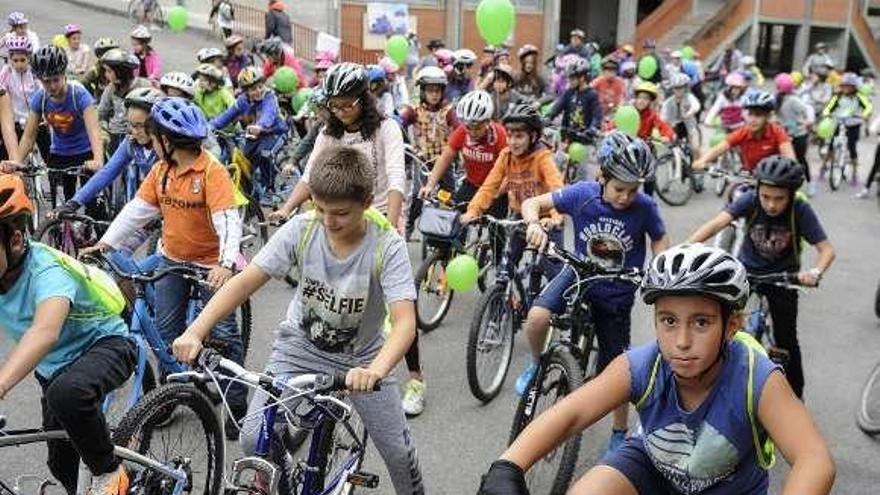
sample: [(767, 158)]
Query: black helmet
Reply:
[(272, 46), (49, 61), (346, 79), (524, 114), (781, 171), (143, 98), (577, 67), (626, 158)]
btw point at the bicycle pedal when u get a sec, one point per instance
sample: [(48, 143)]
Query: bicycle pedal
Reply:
[(363, 479)]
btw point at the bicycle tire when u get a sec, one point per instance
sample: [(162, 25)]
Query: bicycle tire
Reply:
[(560, 359), (137, 428), (51, 235), (425, 322), (491, 311), (720, 186), (246, 324), (327, 443), (835, 171), (687, 183), (867, 421)]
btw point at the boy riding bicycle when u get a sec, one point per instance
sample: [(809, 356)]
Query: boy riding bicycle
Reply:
[(709, 404), (777, 221), (612, 220), (65, 320), (353, 270)]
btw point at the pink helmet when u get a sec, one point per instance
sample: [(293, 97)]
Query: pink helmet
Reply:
[(735, 79), (71, 29), (444, 57), (324, 64), (563, 61), (325, 55), (388, 65), (784, 83), (18, 44)]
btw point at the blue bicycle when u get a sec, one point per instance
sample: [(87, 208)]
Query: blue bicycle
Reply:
[(338, 440), (136, 280)]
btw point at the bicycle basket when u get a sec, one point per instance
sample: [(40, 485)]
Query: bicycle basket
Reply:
[(439, 225)]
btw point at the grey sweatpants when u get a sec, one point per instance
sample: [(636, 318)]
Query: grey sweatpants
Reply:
[(381, 412)]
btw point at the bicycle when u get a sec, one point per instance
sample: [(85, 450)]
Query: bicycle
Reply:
[(500, 312), (445, 239), (338, 441), (759, 323), (137, 438), (70, 232), (836, 160), (137, 284), (34, 173), (569, 358), (146, 12), (559, 138), (868, 412), (730, 163), (674, 175), (731, 238)]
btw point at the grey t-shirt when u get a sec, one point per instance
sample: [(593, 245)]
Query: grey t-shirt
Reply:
[(339, 308), (111, 108)]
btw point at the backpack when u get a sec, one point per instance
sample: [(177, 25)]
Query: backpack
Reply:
[(371, 215), (765, 449), (100, 286)]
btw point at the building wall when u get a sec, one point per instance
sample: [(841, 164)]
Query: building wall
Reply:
[(788, 9)]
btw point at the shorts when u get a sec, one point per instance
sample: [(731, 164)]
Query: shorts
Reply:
[(633, 462)]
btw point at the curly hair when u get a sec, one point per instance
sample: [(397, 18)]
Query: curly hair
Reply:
[(370, 119)]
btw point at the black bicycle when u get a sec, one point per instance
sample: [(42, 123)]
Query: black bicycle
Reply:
[(569, 358)]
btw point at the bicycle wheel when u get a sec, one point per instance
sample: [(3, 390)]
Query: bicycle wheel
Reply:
[(245, 318), (117, 403), (868, 414), (255, 232), (434, 297), (135, 11), (336, 446), (490, 344), (56, 234), (193, 441), (673, 186), (836, 172), (877, 302), (562, 375)]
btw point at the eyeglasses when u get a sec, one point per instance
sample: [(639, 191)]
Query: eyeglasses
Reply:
[(344, 107)]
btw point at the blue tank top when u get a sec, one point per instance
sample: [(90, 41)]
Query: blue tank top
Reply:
[(710, 450)]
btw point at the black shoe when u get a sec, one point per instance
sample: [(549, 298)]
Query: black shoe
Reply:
[(231, 426)]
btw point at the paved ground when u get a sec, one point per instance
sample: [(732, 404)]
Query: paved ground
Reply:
[(457, 437)]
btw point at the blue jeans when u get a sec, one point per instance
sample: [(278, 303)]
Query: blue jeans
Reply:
[(172, 301), (261, 152)]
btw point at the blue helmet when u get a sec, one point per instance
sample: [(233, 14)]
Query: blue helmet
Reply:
[(375, 73), (180, 117)]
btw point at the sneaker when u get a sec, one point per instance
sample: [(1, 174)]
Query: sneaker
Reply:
[(617, 439), (811, 189), (863, 193), (115, 483), (525, 378), (414, 397)]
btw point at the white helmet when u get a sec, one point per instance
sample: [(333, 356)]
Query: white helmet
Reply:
[(748, 60), (141, 32), (696, 269), (679, 80), (205, 54), (474, 107), (178, 80), (431, 75), (464, 56)]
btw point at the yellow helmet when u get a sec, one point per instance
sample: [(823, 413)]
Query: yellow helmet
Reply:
[(647, 87), (249, 76)]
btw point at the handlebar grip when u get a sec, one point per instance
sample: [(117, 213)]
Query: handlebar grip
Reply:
[(337, 384)]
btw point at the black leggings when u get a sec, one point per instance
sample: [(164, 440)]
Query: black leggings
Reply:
[(784, 310), (852, 141), (800, 152)]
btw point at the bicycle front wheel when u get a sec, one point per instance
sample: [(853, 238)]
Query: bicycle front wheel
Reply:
[(434, 296), (836, 172), (338, 446), (674, 187), (490, 344), (868, 415), (192, 442), (67, 236), (561, 376)]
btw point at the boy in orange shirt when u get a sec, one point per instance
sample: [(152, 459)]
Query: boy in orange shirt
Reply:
[(525, 169)]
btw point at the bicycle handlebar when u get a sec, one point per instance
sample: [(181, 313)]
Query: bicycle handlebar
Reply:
[(504, 223), (786, 280), (191, 273), (591, 268)]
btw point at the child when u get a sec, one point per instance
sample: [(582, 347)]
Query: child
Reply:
[(850, 108), (756, 140), (216, 57), (119, 67), (350, 250), (690, 388), (776, 222), (728, 104), (609, 87), (18, 26), (224, 12), (94, 79), (749, 67), (650, 122), (461, 79), (579, 106), (150, 66), (612, 211), (797, 117), (503, 94), (236, 57), (79, 56), (818, 90), (379, 90), (178, 85), (529, 82), (266, 130), (681, 111), (211, 95), (20, 82), (64, 318)]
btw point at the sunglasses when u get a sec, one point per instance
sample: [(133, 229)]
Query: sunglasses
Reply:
[(335, 107)]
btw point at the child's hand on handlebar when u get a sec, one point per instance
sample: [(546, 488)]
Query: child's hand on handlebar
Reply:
[(186, 348), (8, 167), (361, 379)]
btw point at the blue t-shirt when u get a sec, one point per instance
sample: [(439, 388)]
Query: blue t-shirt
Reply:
[(65, 119), (129, 152), (43, 278), (769, 244), (602, 232), (265, 113), (580, 109), (709, 450)]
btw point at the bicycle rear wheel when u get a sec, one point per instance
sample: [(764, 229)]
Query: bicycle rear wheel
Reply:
[(561, 376), (868, 414), (193, 441), (255, 233), (490, 344), (434, 297)]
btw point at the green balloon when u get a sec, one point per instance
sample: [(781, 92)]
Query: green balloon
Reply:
[(462, 273), (717, 138), (397, 49), (301, 98), (687, 53), (825, 129), (647, 67), (545, 110), (627, 119), (495, 20), (577, 152), (178, 18), (285, 80)]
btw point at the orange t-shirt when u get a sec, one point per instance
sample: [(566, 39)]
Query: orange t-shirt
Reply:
[(187, 200), (525, 177)]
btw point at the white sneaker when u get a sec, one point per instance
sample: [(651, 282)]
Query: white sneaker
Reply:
[(414, 397), (863, 193), (115, 483)]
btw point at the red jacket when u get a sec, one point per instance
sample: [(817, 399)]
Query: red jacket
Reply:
[(650, 120)]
